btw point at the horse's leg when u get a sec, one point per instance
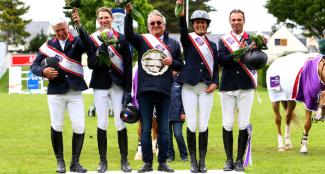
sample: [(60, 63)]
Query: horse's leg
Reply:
[(277, 118), (290, 107), (304, 140)]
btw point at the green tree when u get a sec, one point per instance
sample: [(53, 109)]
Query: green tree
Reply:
[(307, 14), (11, 23), (167, 7), (37, 42), (89, 7)]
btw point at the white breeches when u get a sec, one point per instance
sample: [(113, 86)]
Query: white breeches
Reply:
[(197, 106), (240, 101), (101, 97), (71, 101)]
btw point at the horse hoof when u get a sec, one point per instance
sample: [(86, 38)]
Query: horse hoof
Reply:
[(281, 149), (288, 146), (304, 153)]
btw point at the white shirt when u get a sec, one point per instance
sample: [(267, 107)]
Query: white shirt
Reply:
[(62, 43), (238, 36)]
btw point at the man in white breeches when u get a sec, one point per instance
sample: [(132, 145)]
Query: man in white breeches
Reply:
[(65, 86), (110, 82)]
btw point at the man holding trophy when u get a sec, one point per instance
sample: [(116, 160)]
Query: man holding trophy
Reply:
[(111, 62), (66, 82), (158, 56)]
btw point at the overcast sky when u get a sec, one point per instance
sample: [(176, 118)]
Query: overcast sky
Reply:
[(257, 18)]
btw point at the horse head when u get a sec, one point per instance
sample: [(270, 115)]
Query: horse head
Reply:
[(320, 113)]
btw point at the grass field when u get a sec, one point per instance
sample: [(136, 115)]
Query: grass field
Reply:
[(25, 140)]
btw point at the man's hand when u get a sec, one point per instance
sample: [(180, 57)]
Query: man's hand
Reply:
[(211, 88), (182, 117), (167, 61), (180, 2), (126, 98), (103, 49), (128, 8), (75, 16), (50, 73)]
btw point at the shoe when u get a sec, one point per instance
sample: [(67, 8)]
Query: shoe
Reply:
[(125, 166), (147, 167), (102, 166), (165, 168), (61, 167), (239, 166), (170, 159), (229, 166), (76, 167)]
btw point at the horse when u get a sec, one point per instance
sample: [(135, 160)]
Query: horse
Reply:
[(297, 77)]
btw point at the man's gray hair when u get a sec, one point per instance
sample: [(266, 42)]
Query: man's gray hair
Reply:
[(58, 21), (156, 13)]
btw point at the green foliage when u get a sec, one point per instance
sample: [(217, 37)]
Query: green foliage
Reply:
[(307, 14), (11, 22), (4, 81), (37, 42), (167, 8), (257, 43), (89, 7)]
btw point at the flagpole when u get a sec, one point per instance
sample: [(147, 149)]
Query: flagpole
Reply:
[(187, 11)]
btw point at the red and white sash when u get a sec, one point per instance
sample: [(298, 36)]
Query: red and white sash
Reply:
[(116, 58), (204, 49), (67, 64), (233, 44), (156, 43)]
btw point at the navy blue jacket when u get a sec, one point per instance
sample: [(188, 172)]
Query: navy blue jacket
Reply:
[(233, 76), (103, 76), (74, 47), (146, 82), (195, 70), (176, 104)]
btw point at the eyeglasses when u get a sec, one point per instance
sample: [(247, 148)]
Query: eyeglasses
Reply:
[(155, 22)]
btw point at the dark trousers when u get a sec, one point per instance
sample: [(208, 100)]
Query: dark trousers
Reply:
[(147, 102), (177, 127)]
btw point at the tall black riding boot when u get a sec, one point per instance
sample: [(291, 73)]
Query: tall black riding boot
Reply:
[(191, 144), (228, 145), (102, 149), (77, 142), (203, 145), (57, 144), (123, 145), (242, 143)]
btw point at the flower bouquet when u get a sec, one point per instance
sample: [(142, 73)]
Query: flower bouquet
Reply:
[(178, 9), (135, 14), (258, 43), (107, 38), (70, 4)]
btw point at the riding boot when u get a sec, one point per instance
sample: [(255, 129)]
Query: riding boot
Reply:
[(191, 144), (123, 145), (203, 145), (228, 146), (242, 143), (102, 149), (77, 142), (57, 144)]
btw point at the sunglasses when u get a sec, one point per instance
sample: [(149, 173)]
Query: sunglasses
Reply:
[(155, 22)]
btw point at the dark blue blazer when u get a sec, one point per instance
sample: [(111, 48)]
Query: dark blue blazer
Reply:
[(146, 82), (74, 48), (195, 70), (103, 76), (233, 76)]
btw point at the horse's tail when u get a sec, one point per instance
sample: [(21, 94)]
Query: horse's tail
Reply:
[(295, 120)]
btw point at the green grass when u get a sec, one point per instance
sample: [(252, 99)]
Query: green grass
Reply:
[(25, 145)]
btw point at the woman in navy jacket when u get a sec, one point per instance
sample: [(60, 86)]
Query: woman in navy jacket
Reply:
[(200, 78)]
